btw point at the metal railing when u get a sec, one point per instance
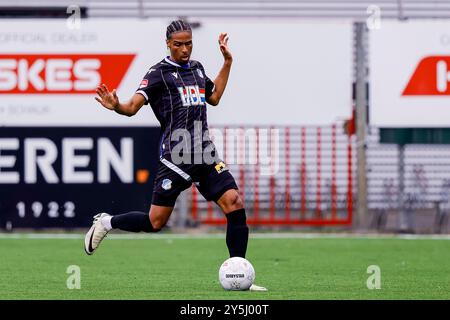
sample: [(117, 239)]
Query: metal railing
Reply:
[(315, 180), (426, 175), (287, 175)]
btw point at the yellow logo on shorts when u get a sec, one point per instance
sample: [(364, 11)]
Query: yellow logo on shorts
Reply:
[(221, 167)]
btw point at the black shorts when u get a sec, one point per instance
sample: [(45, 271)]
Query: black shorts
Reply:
[(211, 180)]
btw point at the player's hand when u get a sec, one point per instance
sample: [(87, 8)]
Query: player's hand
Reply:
[(223, 43), (107, 99)]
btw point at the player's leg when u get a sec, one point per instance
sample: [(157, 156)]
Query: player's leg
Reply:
[(216, 183), (159, 215), (136, 221), (237, 230), (167, 186)]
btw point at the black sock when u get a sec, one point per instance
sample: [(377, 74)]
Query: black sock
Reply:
[(237, 233), (134, 221)]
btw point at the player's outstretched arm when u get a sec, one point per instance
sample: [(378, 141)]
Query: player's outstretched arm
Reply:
[(110, 101), (222, 78)]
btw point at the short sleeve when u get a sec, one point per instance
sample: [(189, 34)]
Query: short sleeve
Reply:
[(209, 84), (209, 87), (150, 84)]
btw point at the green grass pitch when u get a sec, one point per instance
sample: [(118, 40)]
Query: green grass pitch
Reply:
[(167, 267)]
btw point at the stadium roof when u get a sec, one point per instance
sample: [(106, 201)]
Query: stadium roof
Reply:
[(357, 10)]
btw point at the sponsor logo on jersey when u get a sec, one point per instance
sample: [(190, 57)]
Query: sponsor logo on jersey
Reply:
[(166, 184), (200, 73), (221, 167), (192, 96), (143, 84), (175, 75), (431, 78), (61, 73)]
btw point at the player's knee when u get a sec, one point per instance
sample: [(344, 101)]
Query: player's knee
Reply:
[(159, 217), (234, 202), (157, 224), (237, 201)]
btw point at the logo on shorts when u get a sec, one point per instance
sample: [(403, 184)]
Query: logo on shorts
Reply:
[(166, 184), (221, 167)]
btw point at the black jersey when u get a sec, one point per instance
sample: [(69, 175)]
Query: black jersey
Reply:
[(177, 95)]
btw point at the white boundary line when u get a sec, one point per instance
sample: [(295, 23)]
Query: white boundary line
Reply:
[(143, 236)]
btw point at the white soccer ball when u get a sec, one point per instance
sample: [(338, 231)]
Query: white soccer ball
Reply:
[(236, 274)]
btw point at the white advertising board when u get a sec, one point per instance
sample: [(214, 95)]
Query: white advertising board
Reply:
[(284, 72), (410, 74), (48, 73)]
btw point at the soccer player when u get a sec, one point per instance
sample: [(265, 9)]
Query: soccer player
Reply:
[(177, 89)]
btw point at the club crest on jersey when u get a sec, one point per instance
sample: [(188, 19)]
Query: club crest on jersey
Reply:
[(200, 73), (166, 184), (175, 75), (192, 96)]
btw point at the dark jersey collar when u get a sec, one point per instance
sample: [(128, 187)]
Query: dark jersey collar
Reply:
[(184, 66)]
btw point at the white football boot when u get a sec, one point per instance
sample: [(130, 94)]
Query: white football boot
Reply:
[(95, 235), (254, 287)]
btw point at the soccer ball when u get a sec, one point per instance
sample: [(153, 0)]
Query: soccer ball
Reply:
[(236, 274)]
